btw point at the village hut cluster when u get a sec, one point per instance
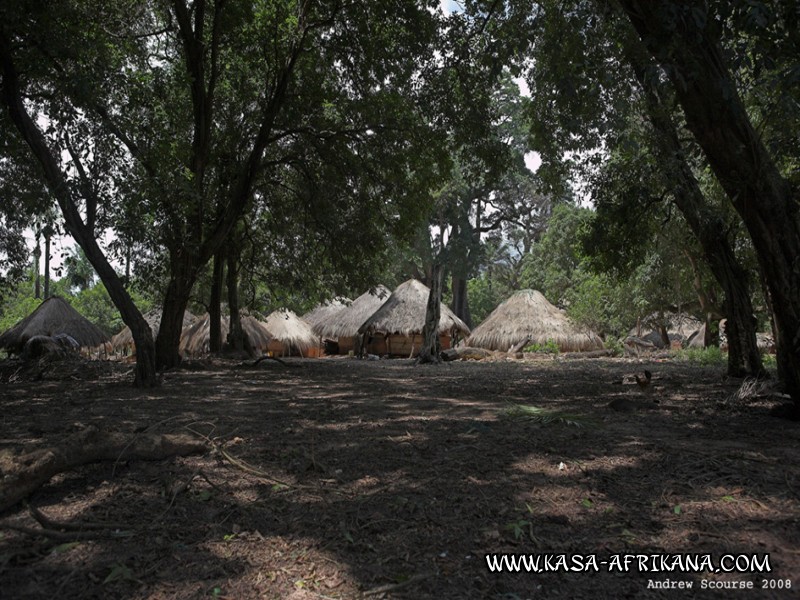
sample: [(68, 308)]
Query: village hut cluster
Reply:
[(379, 322)]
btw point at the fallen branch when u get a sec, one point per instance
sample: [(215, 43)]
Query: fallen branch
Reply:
[(50, 524), (24, 474), (263, 358), (393, 587), (465, 354), (588, 354), (66, 536)]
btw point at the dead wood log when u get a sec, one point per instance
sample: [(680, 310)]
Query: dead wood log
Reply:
[(588, 354), (466, 354), (519, 346), (24, 474)]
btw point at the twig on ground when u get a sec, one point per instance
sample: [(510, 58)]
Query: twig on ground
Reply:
[(393, 587), (49, 524), (67, 536), (263, 358)]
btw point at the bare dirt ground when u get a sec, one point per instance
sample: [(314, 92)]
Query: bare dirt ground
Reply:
[(388, 480)]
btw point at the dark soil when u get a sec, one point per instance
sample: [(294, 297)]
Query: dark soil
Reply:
[(388, 480)]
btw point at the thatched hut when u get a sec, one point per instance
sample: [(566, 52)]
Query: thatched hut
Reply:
[(196, 338), (325, 310), (665, 329), (528, 318), (290, 334), (52, 317), (123, 341), (343, 326), (396, 327)]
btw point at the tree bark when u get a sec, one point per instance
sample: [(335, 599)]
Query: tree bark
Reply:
[(24, 474), (47, 236), (461, 300), (215, 304), (176, 298), (706, 224), (431, 349), (37, 254), (235, 333)]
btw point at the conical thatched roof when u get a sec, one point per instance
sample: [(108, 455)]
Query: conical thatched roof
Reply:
[(53, 316), (256, 331), (528, 315), (325, 310), (345, 323), (195, 339), (404, 313), (125, 337), (289, 329)]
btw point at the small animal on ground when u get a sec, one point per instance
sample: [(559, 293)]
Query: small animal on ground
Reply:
[(643, 379)]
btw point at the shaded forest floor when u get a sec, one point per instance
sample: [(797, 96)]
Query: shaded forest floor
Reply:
[(388, 480)]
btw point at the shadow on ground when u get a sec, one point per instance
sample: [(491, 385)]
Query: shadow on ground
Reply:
[(391, 480)]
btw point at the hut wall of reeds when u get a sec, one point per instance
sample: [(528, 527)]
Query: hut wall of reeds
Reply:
[(52, 317), (526, 316), (400, 320)]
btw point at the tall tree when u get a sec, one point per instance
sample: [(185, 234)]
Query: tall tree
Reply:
[(170, 92), (604, 84), (686, 40)]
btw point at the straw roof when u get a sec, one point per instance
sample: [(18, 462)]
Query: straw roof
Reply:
[(196, 338), (528, 315), (125, 337), (682, 325), (404, 313), (289, 329), (256, 331), (325, 310), (345, 323), (51, 317)]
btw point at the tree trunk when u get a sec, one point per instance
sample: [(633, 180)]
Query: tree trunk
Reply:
[(430, 352), (461, 300), (214, 304), (128, 264), (235, 333), (176, 298), (47, 236), (706, 225), (37, 254)]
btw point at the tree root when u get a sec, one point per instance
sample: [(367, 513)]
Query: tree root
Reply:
[(24, 474)]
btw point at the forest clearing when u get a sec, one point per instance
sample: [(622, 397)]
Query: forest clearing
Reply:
[(342, 299), (386, 479)]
